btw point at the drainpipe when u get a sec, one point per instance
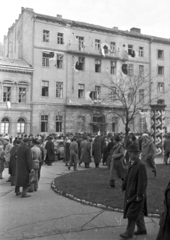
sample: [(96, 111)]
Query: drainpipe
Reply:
[(31, 94), (66, 97)]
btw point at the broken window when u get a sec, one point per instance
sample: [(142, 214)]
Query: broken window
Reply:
[(160, 54), (60, 38), (81, 91), (45, 86), (59, 89), (112, 67), (97, 65), (60, 61), (124, 69), (96, 95), (46, 34), (80, 64)]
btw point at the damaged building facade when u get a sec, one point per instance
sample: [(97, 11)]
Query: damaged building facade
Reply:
[(70, 60)]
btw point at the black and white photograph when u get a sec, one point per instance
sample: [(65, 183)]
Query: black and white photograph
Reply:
[(85, 120)]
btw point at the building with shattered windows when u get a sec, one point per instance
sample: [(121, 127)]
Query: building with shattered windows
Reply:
[(70, 60)]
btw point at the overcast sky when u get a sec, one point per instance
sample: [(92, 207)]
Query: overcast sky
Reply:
[(152, 16)]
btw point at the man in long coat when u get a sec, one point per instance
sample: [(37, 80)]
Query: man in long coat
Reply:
[(13, 160), (135, 204), (97, 153), (23, 168), (164, 230), (85, 146), (118, 169), (50, 157)]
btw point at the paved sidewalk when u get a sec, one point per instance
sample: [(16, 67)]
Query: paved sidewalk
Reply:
[(48, 216)]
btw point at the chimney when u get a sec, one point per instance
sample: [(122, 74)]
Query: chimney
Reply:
[(59, 16), (115, 28), (136, 30)]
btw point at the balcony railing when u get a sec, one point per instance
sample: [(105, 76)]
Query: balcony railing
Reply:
[(90, 50)]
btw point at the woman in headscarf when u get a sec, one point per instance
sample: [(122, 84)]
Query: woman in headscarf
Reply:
[(164, 231), (148, 153)]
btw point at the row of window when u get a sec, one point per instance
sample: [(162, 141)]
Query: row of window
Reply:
[(5, 126), (21, 94), (80, 65), (21, 125), (97, 45), (94, 95)]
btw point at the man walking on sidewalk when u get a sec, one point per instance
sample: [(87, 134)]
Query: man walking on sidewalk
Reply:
[(135, 204)]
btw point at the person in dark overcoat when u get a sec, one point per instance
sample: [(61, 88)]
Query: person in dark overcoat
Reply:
[(118, 168), (97, 153), (164, 230), (23, 168), (50, 156), (166, 148), (135, 201), (85, 147), (13, 160), (67, 150)]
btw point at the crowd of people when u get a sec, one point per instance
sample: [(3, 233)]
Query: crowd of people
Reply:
[(128, 159)]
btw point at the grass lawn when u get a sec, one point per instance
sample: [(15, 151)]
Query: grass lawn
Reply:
[(93, 185)]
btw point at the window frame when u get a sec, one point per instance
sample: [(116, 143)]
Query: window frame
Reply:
[(21, 125), (60, 39), (7, 95), (162, 70), (130, 69), (45, 61), (46, 35), (141, 51), (98, 66), (59, 90), (20, 98), (159, 90), (81, 91), (60, 61), (44, 81), (112, 67), (5, 125), (44, 123), (162, 53), (59, 121), (97, 44)]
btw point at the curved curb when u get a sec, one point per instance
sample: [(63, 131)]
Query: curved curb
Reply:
[(98, 205)]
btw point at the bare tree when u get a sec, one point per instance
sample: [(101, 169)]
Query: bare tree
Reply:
[(131, 92)]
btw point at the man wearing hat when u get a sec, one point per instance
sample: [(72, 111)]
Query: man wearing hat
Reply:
[(135, 204), (23, 168), (118, 169)]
